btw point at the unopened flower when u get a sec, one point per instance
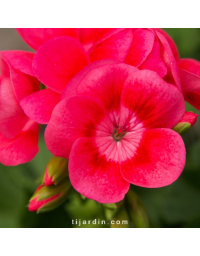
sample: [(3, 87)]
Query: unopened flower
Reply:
[(117, 130), (56, 171), (47, 198), (187, 121)]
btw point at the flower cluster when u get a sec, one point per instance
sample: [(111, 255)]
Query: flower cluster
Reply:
[(113, 101)]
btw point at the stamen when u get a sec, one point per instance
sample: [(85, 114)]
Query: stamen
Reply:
[(119, 133)]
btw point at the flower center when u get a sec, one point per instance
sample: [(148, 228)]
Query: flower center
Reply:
[(118, 133)]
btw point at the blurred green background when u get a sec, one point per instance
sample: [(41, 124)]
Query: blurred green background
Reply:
[(177, 205)]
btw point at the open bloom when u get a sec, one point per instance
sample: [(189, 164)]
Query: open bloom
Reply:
[(116, 130), (18, 134), (189, 71), (62, 53), (190, 80)]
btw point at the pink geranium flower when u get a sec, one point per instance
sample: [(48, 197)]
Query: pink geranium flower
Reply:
[(62, 53), (189, 70), (190, 80), (18, 134), (116, 130)]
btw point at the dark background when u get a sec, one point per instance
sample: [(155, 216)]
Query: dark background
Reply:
[(177, 205)]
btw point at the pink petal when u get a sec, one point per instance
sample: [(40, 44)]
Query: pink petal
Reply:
[(93, 176), (190, 80), (154, 61), (18, 67), (58, 60), (37, 36), (106, 84), (39, 106), (5, 72), (70, 89), (155, 103), (92, 36), (23, 84), (22, 148), (190, 65), (159, 160), (171, 43), (20, 60), (142, 45), (12, 117), (72, 118), (169, 60), (191, 87), (115, 47)]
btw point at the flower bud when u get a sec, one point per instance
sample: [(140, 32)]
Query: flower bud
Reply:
[(47, 198), (56, 171), (187, 121)]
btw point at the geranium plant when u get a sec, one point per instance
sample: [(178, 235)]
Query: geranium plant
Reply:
[(112, 106)]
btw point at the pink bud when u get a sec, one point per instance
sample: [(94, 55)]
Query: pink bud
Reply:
[(189, 117), (47, 198), (56, 171), (36, 204), (187, 121)]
